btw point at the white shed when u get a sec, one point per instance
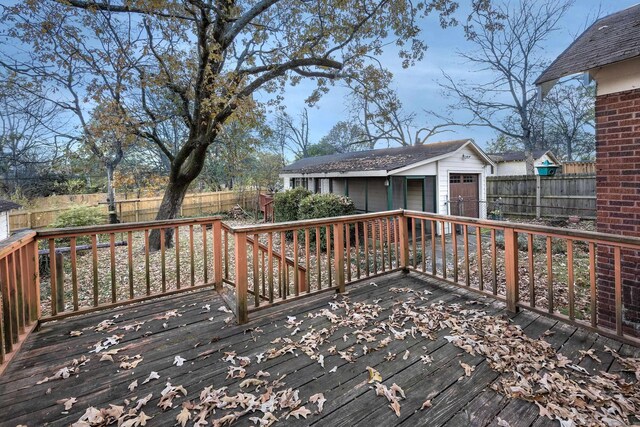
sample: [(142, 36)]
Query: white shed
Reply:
[(446, 177), (5, 207), (514, 162)]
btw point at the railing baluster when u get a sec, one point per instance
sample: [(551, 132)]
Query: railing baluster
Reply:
[(570, 279), (217, 253), (2, 335), (176, 239), (226, 254), (25, 279), (443, 245), (357, 251), (204, 253), (381, 237), (18, 326), (53, 276), (147, 272), (434, 260), (296, 280), (549, 276), (388, 223), (618, 289), (318, 259), (414, 255), (74, 273), (592, 283), (479, 258), (365, 225), (192, 262), (532, 283), (465, 233), (283, 266), (270, 258), (307, 258), (112, 257), (454, 245), (375, 245), (494, 261), (34, 280), (6, 305), (511, 268), (329, 266), (94, 264), (163, 264), (256, 270), (17, 277), (240, 251), (348, 242), (423, 245), (338, 234), (263, 274)]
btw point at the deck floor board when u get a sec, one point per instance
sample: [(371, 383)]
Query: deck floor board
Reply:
[(202, 335)]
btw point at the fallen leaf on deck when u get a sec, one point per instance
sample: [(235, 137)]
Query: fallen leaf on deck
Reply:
[(133, 385), (179, 361), (75, 333), (68, 403), (318, 399), (468, 369), (300, 412), (183, 417), (332, 370), (426, 405), (224, 309), (152, 376), (373, 375)]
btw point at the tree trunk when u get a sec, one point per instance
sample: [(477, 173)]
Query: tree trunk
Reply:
[(528, 160), (169, 209), (111, 195)]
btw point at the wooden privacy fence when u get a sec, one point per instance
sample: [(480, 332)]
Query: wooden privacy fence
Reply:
[(547, 270), (543, 196), (144, 209)]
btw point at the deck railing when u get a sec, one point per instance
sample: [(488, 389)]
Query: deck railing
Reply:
[(547, 270)]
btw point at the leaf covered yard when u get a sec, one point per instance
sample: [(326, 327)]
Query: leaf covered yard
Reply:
[(400, 350)]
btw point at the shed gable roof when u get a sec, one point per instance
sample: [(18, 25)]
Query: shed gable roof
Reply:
[(374, 160), (7, 205), (611, 39), (519, 156)]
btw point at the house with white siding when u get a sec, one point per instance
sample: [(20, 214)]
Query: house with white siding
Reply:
[(5, 207), (514, 162), (421, 177)]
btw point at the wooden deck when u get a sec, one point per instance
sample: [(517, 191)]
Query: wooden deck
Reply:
[(192, 326)]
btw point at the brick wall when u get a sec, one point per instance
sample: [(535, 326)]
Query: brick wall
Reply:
[(618, 202)]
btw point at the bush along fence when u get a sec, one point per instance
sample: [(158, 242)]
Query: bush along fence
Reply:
[(547, 270), (543, 196), (144, 209)]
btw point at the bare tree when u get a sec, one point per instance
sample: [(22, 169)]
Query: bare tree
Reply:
[(507, 40), (295, 133)]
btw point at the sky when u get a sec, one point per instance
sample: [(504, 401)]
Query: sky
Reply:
[(417, 86)]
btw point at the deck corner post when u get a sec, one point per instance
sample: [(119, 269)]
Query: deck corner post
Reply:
[(217, 254), (240, 248), (404, 241), (511, 269), (338, 253)]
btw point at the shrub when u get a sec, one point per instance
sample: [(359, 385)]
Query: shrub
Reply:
[(324, 206), (287, 202), (79, 216)]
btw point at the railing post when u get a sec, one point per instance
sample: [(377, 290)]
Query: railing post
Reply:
[(34, 280), (217, 254), (338, 253), (511, 268), (404, 241), (240, 248)]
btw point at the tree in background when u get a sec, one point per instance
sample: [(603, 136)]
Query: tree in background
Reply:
[(507, 40), (207, 58), (377, 110), (345, 137)]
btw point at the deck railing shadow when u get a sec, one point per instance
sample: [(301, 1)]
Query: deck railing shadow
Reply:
[(547, 270)]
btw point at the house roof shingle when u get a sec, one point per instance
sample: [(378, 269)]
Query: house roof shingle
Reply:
[(380, 159), (7, 205), (611, 39)]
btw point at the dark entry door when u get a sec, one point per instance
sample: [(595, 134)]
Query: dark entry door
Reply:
[(464, 194)]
